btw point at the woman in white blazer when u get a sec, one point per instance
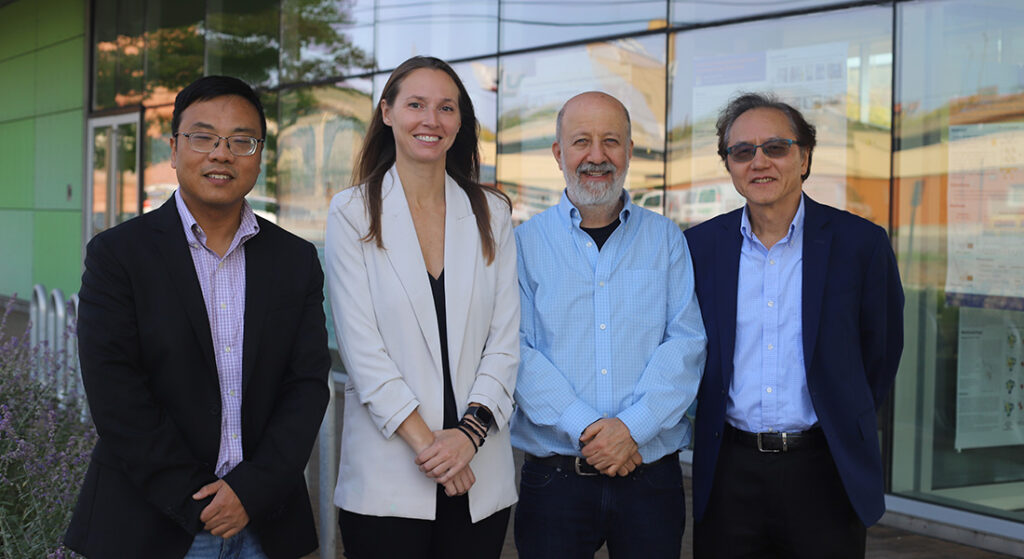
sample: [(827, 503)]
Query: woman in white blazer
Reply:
[(421, 272)]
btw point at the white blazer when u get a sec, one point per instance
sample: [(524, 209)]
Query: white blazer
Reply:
[(387, 334)]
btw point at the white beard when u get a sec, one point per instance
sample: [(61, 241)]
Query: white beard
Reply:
[(598, 194)]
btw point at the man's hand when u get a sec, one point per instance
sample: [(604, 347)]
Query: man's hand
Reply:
[(608, 446), (224, 516), (450, 452)]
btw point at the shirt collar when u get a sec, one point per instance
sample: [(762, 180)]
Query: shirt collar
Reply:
[(247, 229), (571, 214), (795, 227)]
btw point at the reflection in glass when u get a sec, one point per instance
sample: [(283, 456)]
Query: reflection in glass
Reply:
[(701, 11), (534, 86), (959, 207), (325, 38), (101, 156), (321, 131), (447, 29), (836, 68), (158, 177), (242, 40), (117, 53), (127, 181), (532, 23), (174, 47)]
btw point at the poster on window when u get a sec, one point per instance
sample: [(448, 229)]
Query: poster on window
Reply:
[(986, 215), (990, 379)]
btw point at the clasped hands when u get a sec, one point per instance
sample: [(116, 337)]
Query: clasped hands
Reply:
[(224, 516), (608, 446), (446, 461)]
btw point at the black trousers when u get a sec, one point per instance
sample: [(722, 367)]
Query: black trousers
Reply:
[(452, 535), (787, 505)]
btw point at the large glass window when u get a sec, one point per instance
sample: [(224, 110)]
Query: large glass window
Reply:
[(959, 166), (174, 47), (242, 40), (325, 38), (836, 68), (447, 29), (533, 23), (534, 86), (700, 11), (117, 54)]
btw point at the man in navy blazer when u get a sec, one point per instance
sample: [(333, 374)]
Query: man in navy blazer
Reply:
[(803, 308), (204, 355)]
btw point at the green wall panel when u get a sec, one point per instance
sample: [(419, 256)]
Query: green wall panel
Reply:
[(17, 29), (58, 83), (16, 253), (59, 159), (17, 95), (17, 142), (64, 19), (57, 251)]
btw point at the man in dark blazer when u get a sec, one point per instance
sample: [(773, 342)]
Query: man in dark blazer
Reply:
[(803, 308), (204, 355)]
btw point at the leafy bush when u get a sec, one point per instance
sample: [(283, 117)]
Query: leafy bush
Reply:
[(44, 450)]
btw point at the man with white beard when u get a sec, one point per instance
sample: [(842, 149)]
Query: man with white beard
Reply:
[(613, 349)]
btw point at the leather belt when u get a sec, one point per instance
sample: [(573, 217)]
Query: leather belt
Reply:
[(777, 442), (580, 467)]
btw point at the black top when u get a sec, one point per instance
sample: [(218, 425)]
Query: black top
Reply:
[(601, 234), (451, 419)]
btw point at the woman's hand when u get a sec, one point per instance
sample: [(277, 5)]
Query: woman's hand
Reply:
[(448, 455), (460, 482)]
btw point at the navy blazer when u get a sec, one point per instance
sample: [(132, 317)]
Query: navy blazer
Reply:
[(148, 366), (852, 341)]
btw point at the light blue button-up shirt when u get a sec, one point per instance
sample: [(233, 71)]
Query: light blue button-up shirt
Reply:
[(615, 332), (769, 385)]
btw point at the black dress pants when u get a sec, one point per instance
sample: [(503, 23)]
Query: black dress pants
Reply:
[(452, 535), (787, 505)]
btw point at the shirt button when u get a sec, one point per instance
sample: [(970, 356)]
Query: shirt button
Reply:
[(600, 283), (771, 347), (223, 305), (772, 262), (603, 327), (234, 436), (604, 371), (232, 393), (590, 244), (768, 390), (771, 303), (604, 415), (227, 349), (220, 265)]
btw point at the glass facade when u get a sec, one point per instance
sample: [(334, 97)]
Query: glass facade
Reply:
[(919, 107)]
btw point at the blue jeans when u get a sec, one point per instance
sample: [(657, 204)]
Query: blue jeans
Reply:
[(562, 515), (243, 545)]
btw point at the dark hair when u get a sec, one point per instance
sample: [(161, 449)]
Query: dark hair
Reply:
[(803, 130), (462, 161), (211, 87)]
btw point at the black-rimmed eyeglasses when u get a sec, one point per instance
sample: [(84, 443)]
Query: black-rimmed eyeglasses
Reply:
[(775, 149), (203, 142)]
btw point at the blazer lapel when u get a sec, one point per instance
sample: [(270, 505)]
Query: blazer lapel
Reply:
[(260, 277), (726, 286), (461, 257), (817, 242), (173, 247), (403, 252)]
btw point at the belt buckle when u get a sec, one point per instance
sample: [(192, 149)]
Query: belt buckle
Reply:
[(761, 448), (576, 467)]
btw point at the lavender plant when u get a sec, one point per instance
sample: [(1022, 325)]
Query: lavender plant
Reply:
[(44, 449)]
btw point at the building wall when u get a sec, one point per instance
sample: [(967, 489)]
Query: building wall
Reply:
[(42, 46)]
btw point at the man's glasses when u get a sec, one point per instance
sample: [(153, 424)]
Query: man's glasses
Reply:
[(743, 152), (240, 146)]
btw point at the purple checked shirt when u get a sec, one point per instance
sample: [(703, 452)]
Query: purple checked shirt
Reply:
[(223, 284)]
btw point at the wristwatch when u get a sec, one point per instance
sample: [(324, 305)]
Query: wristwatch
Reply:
[(482, 416)]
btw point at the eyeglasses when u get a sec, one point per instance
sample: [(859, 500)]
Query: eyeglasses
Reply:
[(743, 152), (240, 146)]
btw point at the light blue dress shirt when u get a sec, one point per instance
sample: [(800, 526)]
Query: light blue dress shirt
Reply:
[(609, 333), (769, 385)]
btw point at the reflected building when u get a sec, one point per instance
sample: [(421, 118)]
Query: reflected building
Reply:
[(919, 107)]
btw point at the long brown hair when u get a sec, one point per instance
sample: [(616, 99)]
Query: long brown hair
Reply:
[(462, 161)]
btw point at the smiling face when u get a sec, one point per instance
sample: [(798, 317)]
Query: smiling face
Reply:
[(219, 180), (765, 182), (594, 149), (425, 116)]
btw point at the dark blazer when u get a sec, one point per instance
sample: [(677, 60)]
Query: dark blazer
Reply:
[(852, 339), (148, 365)]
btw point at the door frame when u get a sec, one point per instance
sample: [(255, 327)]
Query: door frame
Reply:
[(113, 193)]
